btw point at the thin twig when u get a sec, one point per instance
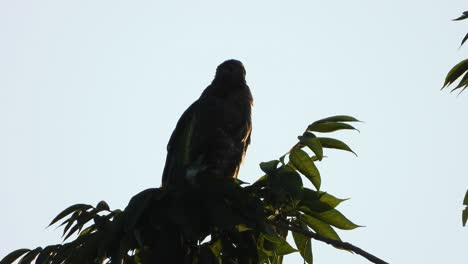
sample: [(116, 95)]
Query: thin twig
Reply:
[(336, 243)]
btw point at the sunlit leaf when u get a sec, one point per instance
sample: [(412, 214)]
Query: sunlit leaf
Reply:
[(303, 244), (306, 166), (282, 247), (10, 258), (329, 127), (338, 118), (313, 144), (320, 227), (336, 219), (335, 144)]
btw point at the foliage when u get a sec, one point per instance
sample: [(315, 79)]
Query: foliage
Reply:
[(216, 221), (461, 69)]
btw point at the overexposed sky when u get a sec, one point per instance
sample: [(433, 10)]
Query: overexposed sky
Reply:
[(91, 90)]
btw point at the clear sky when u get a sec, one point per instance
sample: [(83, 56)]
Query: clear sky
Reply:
[(91, 90)]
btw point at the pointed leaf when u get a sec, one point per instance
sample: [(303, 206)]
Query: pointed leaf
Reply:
[(70, 210), (331, 200), (465, 200), (28, 258), (306, 166), (320, 227), (281, 245), (336, 219), (463, 82), (463, 16), (10, 258), (313, 144), (304, 245), (338, 118), (335, 144), (329, 127), (456, 72), (464, 216), (464, 39)]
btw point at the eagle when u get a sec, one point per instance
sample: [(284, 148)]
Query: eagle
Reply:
[(212, 135)]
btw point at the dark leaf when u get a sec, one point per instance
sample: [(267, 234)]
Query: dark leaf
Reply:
[(463, 16), (288, 180), (313, 144), (463, 82), (338, 118), (464, 216), (269, 167), (70, 210), (464, 40), (311, 201), (465, 200), (329, 127), (455, 73), (306, 166), (44, 256), (30, 256), (10, 258), (102, 206), (335, 144)]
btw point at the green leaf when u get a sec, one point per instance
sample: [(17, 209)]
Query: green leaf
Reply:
[(311, 201), (463, 16), (329, 127), (306, 166), (320, 227), (304, 245), (338, 118), (10, 258), (331, 200), (270, 166), (287, 180), (313, 144), (335, 144), (455, 73), (70, 210), (282, 247), (336, 219)]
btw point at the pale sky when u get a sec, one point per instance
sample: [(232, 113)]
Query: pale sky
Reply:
[(91, 90)]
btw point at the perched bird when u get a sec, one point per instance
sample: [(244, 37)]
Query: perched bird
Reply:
[(212, 135)]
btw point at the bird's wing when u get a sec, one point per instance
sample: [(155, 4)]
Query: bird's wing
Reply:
[(180, 143)]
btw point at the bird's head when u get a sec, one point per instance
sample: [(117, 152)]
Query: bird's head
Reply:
[(231, 71)]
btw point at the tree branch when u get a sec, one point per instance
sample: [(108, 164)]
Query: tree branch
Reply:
[(336, 243)]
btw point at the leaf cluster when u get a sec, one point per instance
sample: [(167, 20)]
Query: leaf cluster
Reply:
[(460, 70), (216, 221)]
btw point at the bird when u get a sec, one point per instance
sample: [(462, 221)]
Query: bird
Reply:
[(212, 136)]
